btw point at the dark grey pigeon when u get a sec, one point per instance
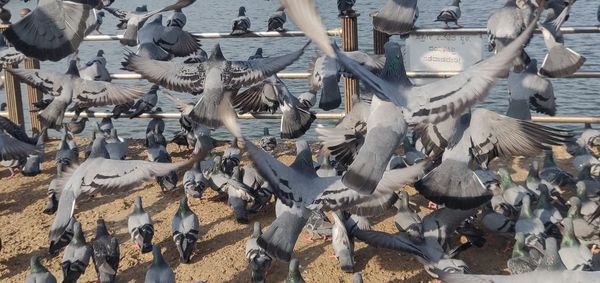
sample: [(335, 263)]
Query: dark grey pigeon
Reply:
[(106, 253), (520, 261), (185, 227), (406, 220), (121, 109), (194, 182), (267, 142), (65, 156), (345, 7), (39, 273), (553, 174), (396, 17), (52, 31), (258, 259), (76, 127), (277, 20), (95, 69), (342, 242), (140, 226), (241, 24), (175, 40), (294, 275), (450, 13), (34, 160), (159, 271), (231, 157), (146, 103), (76, 257), (133, 21)]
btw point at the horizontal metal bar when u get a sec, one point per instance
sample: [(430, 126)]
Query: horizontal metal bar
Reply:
[(438, 31), (324, 116), (4, 114), (134, 76), (215, 35)]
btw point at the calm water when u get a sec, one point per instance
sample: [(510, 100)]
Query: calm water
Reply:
[(574, 96)]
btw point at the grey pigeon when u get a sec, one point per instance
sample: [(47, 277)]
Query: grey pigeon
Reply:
[(174, 39), (159, 271), (95, 69), (106, 253), (116, 146), (551, 260), (277, 20), (507, 23), (68, 87), (140, 226), (32, 166), (98, 173), (65, 155), (77, 256), (531, 226), (232, 156), (450, 13), (396, 17), (574, 255), (39, 273), (553, 174), (52, 31), (258, 259), (185, 227), (239, 196), (406, 220), (267, 142), (345, 7), (147, 47), (585, 230), (76, 127), (157, 153), (213, 77), (53, 195), (520, 261), (105, 126), (145, 103), (528, 90), (194, 182), (133, 21), (241, 24), (363, 174), (342, 242), (294, 275), (299, 187), (94, 22)]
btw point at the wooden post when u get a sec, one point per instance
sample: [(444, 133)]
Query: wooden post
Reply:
[(350, 43), (33, 95), (14, 101), (379, 39)]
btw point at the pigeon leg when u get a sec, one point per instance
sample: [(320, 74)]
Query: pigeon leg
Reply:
[(447, 26), (309, 239), (458, 25)]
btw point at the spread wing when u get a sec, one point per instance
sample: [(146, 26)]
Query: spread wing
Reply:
[(46, 81), (98, 93), (13, 149), (171, 75)]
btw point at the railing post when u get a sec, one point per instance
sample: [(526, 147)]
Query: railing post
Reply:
[(379, 38), (14, 101), (350, 43), (33, 95)]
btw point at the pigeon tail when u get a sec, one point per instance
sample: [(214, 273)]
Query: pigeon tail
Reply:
[(561, 62), (280, 238), (52, 116), (331, 97), (295, 122)]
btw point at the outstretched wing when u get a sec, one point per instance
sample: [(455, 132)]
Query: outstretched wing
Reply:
[(13, 149), (97, 93), (46, 81)]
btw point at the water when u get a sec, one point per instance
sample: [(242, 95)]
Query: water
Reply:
[(576, 97)]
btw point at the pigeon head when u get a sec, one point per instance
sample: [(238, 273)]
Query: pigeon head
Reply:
[(455, 3), (177, 19), (242, 11), (575, 208), (154, 89), (157, 258), (99, 148), (281, 8), (141, 9), (217, 54), (3, 106), (36, 265), (259, 52), (101, 229), (266, 131), (257, 230), (357, 277), (100, 53), (73, 69), (581, 191), (100, 14), (78, 237), (184, 209)]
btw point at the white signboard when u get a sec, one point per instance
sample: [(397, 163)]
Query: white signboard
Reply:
[(443, 53)]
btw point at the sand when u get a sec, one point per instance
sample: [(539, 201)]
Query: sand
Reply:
[(219, 254)]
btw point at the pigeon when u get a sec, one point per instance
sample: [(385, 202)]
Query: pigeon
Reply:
[(95, 69), (553, 174), (572, 254), (528, 90), (589, 139), (316, 193), (105, 126), (77, 255), (146, 103), (214, 77), (551, 259), (121, 109), (535, 276), (241, 24), (157, 153), (140, 226), (318, 224), (406, 220), (116, 146), (267, 142), (146, 40), (268, 96), (159, 271), (106, 175), (259, 260), (66, 156), (544, 209), (520, 261), (53, 194), (76, 126), (363, 174), (94, 22), (239, 196), (52, 31), (34, 160), (133, 21), (325, 75), (185, 227), (450, 13), (106, 253), (194, 182), (232, 156), (294, 275), (342, 242), (507, 23), (396, 17), (528, 224), (67, 87), (156, 128), (584, 227), (175, 40), (39, 273), (345, 7), (277, 20), (258, 54)]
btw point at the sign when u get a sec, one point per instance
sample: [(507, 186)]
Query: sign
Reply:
[(443, 53)]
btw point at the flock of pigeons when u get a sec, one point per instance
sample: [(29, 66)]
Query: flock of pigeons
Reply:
[(397, 133)]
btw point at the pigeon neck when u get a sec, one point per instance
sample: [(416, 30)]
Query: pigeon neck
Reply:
[(575, 209), (543, 202), (404, 202), (158, 259), (217, 54), (394, 71), (138, 205), (526, 208), (587, 126), (36, 266), (78, 237), (569, 239), (582, 193), (184, 209), (518, 249), (585, 173), (533, 173), (73, 70), (507, 181), (98, 149), (101, 229), (549, 160)]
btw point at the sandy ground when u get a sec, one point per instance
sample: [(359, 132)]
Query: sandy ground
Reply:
[(219, 254)]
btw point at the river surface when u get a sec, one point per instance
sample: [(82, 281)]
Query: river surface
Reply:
[(578, 97)]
